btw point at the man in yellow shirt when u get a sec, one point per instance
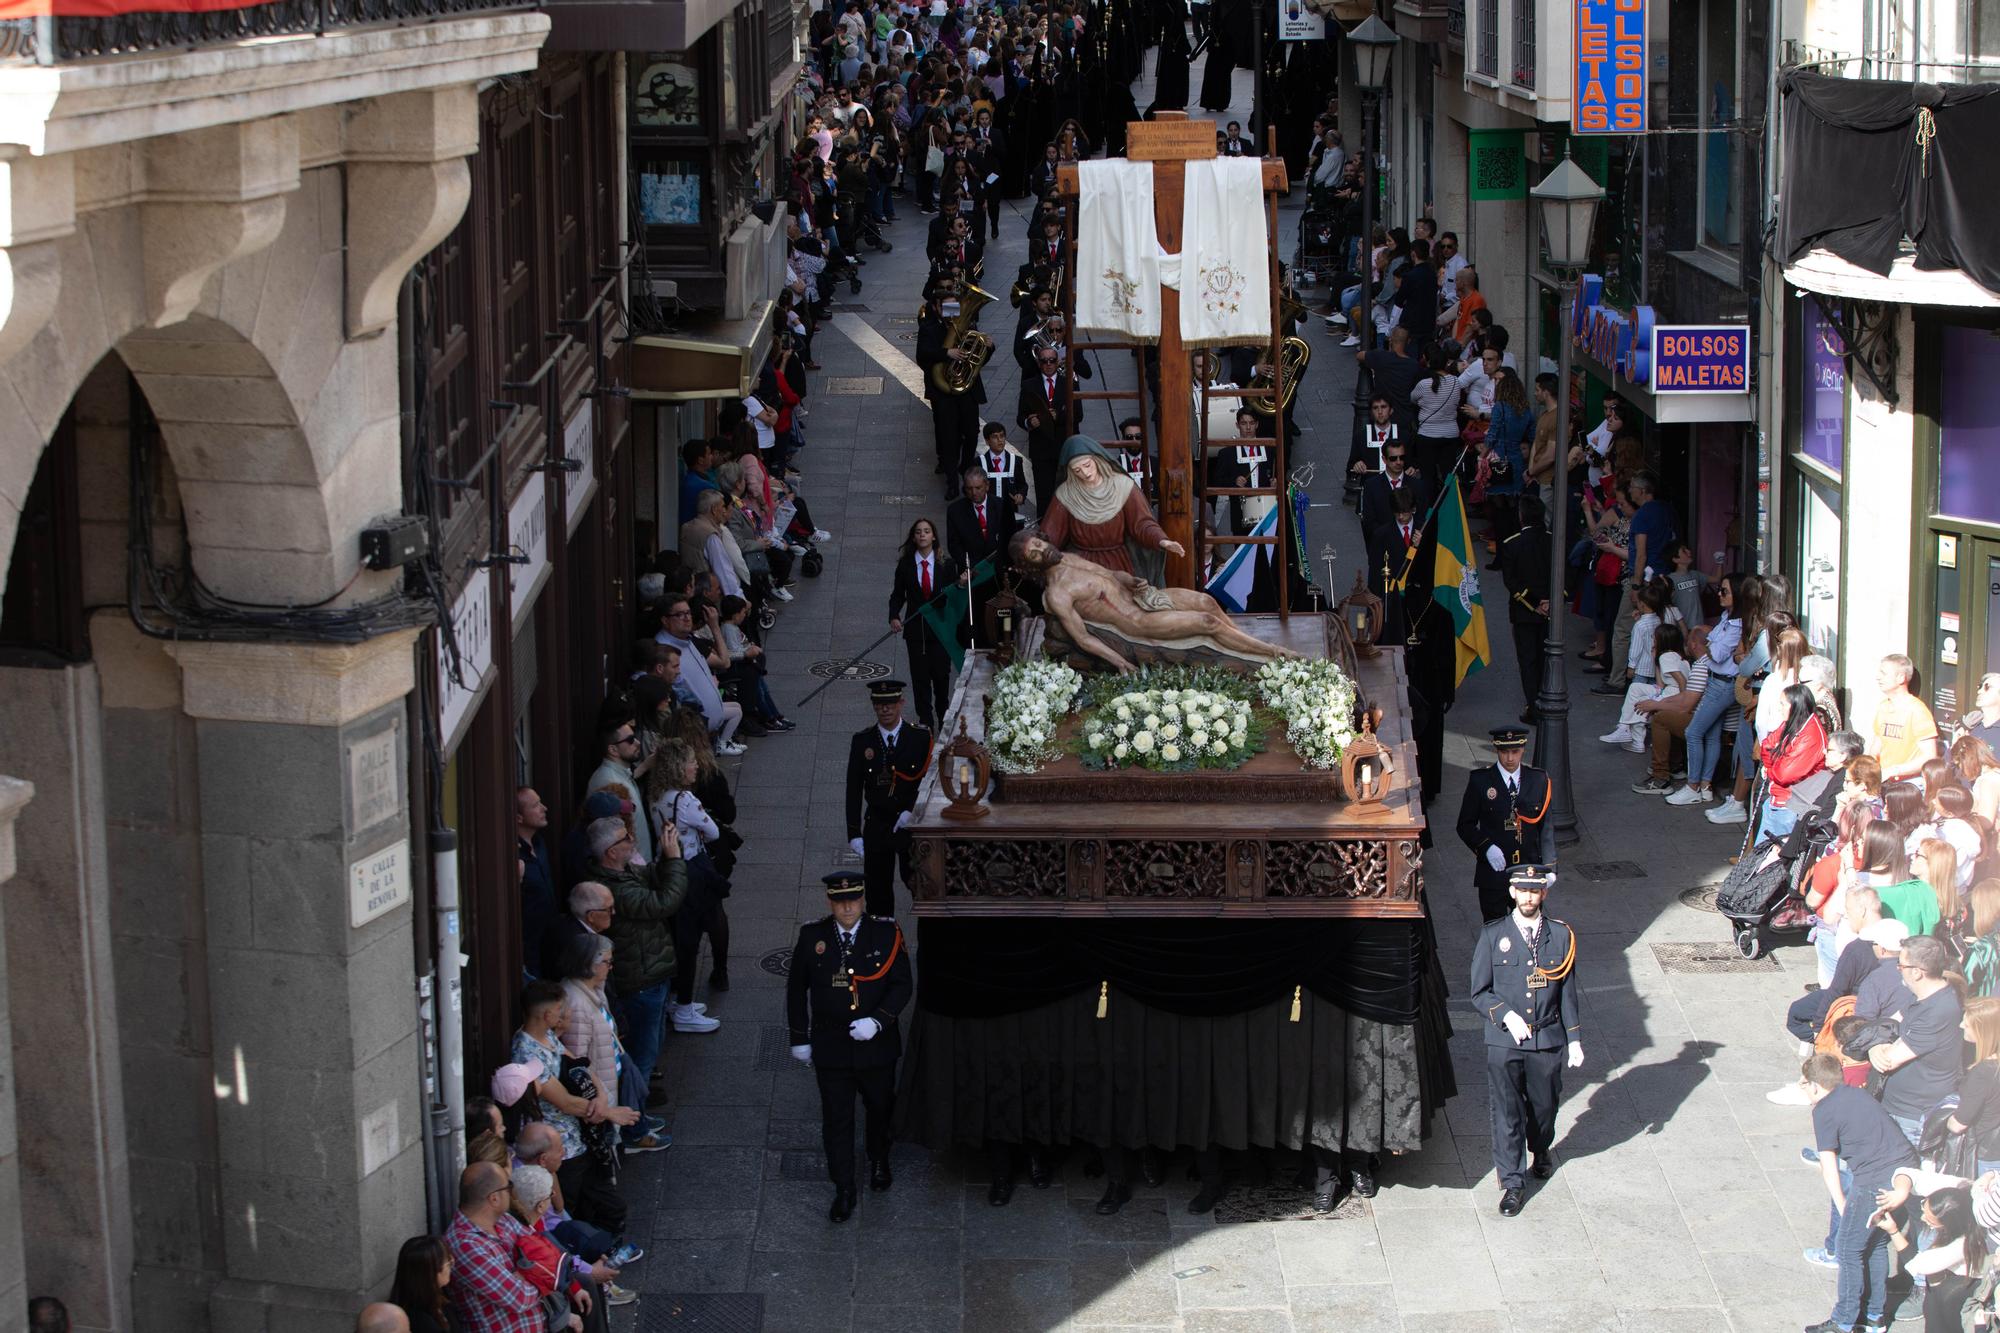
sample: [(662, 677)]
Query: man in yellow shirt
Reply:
[(1904, 734)]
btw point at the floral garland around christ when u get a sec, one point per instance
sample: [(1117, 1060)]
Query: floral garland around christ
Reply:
[(1316, 699), (1030, 700)]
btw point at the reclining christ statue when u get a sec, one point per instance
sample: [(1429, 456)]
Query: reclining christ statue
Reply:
[(1160, 624)]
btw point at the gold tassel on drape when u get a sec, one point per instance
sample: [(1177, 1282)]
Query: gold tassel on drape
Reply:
[(1103, 997)]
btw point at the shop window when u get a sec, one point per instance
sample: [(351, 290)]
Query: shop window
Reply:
[(1721, 183), (1823, 424), (1969, 425), (1818, 575)]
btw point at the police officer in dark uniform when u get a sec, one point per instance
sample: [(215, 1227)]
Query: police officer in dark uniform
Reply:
[(1504, 819), (1524, 566), (885, 763), (849, 983), (1524, 985)]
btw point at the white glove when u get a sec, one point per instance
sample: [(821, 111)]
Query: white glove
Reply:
[(1494, 859), (1516, 1026), (1576, 1055), (854, 845), (803, 1054), (862, 1029), (902, 821)]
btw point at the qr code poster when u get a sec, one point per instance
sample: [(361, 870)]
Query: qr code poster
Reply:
[(1496, 165)]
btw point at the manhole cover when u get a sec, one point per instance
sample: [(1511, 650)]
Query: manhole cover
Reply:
[(1599, 871), (774, 1049), (1271, 1203), (711, 1312), (1701, 898), (905, 499), (1709, 958), (906, 337), (848, 669), (802, 1166), (778, 962), (853, 385)]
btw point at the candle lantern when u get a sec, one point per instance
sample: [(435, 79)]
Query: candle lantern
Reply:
[(963, 775)]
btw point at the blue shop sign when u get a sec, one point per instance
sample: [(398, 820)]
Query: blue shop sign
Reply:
[(1701, 358), (1609, 93), (1617, 339)]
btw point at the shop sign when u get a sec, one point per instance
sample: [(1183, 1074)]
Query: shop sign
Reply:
[(378, 883), (580, 448), (472, 628), (1618, 339), (1496, 165), (375, 779), (1701, 358), (1609, 93), (1296, 23), (528, 541)]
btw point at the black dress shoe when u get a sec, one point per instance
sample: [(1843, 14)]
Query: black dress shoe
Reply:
[(1326, 1198), (843, 1206), (1510, 1203), (1362, 1179), (1093, 1163), (878, 1176), (1000, 1191), (1116, 1195), (1542, 1165), (1211, 1194), (1152, 1167), (1039, 1173)]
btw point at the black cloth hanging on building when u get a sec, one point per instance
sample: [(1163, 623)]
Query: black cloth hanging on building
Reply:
[(1858, 177)]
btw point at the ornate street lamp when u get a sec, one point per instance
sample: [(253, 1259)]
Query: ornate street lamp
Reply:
[(1374, 44), (1567, 200)]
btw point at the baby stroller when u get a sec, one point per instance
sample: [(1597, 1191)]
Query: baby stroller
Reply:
[(1761, 896), (1317, 257)]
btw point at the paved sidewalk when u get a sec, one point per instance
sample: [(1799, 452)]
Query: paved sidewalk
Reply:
[(1679, 1202)]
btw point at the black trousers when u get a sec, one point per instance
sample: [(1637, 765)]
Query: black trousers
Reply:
[(590, 1192), (1045, 461), (837, 1090), (883, 853), (693, 921), (1525, 1088), (930, 675), (1494, 899), (1530, 638), (993, 211), (955, 427)]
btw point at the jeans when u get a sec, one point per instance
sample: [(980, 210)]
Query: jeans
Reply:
[(643, 1016), (1778, 820), (1703, 743), (1826, 944), (1863, 1252), (1348, 297), (1746, 744), (1911, 1125)]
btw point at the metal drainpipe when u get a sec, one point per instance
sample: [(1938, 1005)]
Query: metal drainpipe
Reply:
[(449, 998)]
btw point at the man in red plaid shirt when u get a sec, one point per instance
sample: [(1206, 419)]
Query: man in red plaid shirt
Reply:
[(492, 1295)]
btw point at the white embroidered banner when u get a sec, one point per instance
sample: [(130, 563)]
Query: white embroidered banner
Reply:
[(1225, 273), (1117, 250)]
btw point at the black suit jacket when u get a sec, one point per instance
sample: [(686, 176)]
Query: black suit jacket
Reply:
[(931, 349), (944, 250), (826, 990), (1485, 819), (1524, 567), (962, 537), (1376, 494), (1501, 965), (906, 598), (882, 779), (1035, 402)]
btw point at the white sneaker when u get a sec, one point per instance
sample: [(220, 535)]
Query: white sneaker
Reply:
[(782, 594), (687, 1020), (1637, 745), (822, 535), (1617, 736), (732, 747), (1336, 321), (1790, 1095), (1687, 796), (796, 548), (1351, 340), (1731, 811)]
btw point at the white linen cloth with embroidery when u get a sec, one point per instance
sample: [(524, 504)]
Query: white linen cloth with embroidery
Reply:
[(1117, 250), (1225, 275)]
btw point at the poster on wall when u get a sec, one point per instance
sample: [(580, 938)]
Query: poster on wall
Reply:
[(670, 194), (666, 94), (1296, 23)]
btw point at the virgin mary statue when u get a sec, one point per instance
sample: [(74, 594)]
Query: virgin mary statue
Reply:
[(1098, 514)]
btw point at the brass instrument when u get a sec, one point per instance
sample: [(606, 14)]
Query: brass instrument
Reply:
[(1295, 354), (954, 377), (1291, 310), (1030, 277)]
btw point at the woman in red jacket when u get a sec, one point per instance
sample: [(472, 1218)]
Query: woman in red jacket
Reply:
[(1790, 755)]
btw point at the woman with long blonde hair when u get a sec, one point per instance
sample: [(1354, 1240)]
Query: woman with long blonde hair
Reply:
[(1979, 961), (1978, 1110), (1930, 898)]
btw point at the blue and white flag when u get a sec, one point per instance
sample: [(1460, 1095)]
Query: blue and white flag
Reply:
[(1231, 585)]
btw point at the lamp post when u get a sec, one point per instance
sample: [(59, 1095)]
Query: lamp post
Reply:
[(1374, 44), (1567, 199)]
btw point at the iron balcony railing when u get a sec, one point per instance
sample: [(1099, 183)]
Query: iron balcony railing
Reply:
[(52, 40)]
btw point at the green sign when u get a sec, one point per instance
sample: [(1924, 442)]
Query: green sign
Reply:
[(1496, 165)]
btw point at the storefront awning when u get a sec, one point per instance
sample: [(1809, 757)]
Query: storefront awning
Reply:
[(718, 358), (1820, 270)]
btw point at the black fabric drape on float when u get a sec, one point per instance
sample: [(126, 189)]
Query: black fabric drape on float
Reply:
[(1859, 176), (989, 966)]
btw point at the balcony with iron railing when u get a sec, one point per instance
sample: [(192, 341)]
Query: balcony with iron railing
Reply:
[(49, 40), (1488, 60)]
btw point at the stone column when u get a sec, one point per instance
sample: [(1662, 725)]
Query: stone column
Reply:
[(14, 795), (303, 753)]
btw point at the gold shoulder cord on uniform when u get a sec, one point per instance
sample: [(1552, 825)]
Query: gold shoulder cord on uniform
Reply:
[(1562, 969), (854, 979)]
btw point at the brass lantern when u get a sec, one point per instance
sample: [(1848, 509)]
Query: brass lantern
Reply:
[(963, 774), (1361, 614), (1365, 766), (1001, 618)]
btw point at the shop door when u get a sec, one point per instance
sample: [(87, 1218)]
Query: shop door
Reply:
[(1964, 643)]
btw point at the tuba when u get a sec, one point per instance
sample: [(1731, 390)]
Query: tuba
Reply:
[(956, 377), (1295, 354)]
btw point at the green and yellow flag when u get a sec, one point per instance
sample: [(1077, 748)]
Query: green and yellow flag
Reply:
[(953, 607), (1455, 587)]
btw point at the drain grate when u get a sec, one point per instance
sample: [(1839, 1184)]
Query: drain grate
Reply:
[(1701, 898), (853, 385), (1270, 1203), (1599, 871), (778, 962), (793, 1135), (774, 1049), (1709, 958), (847, 669), (851, 308), (905, 499), (710, 1312), (807, 1165)]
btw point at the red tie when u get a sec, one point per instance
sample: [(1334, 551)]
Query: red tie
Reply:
[(981, 511), (924, 574), (1052, 391)]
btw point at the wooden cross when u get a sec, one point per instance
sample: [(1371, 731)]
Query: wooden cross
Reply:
[(1168, 141)]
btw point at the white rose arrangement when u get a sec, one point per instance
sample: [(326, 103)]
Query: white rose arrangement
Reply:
[(1169, 729), (1030, 700), (1316, 699)]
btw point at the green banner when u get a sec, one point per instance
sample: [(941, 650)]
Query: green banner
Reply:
[(1496, 165)]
